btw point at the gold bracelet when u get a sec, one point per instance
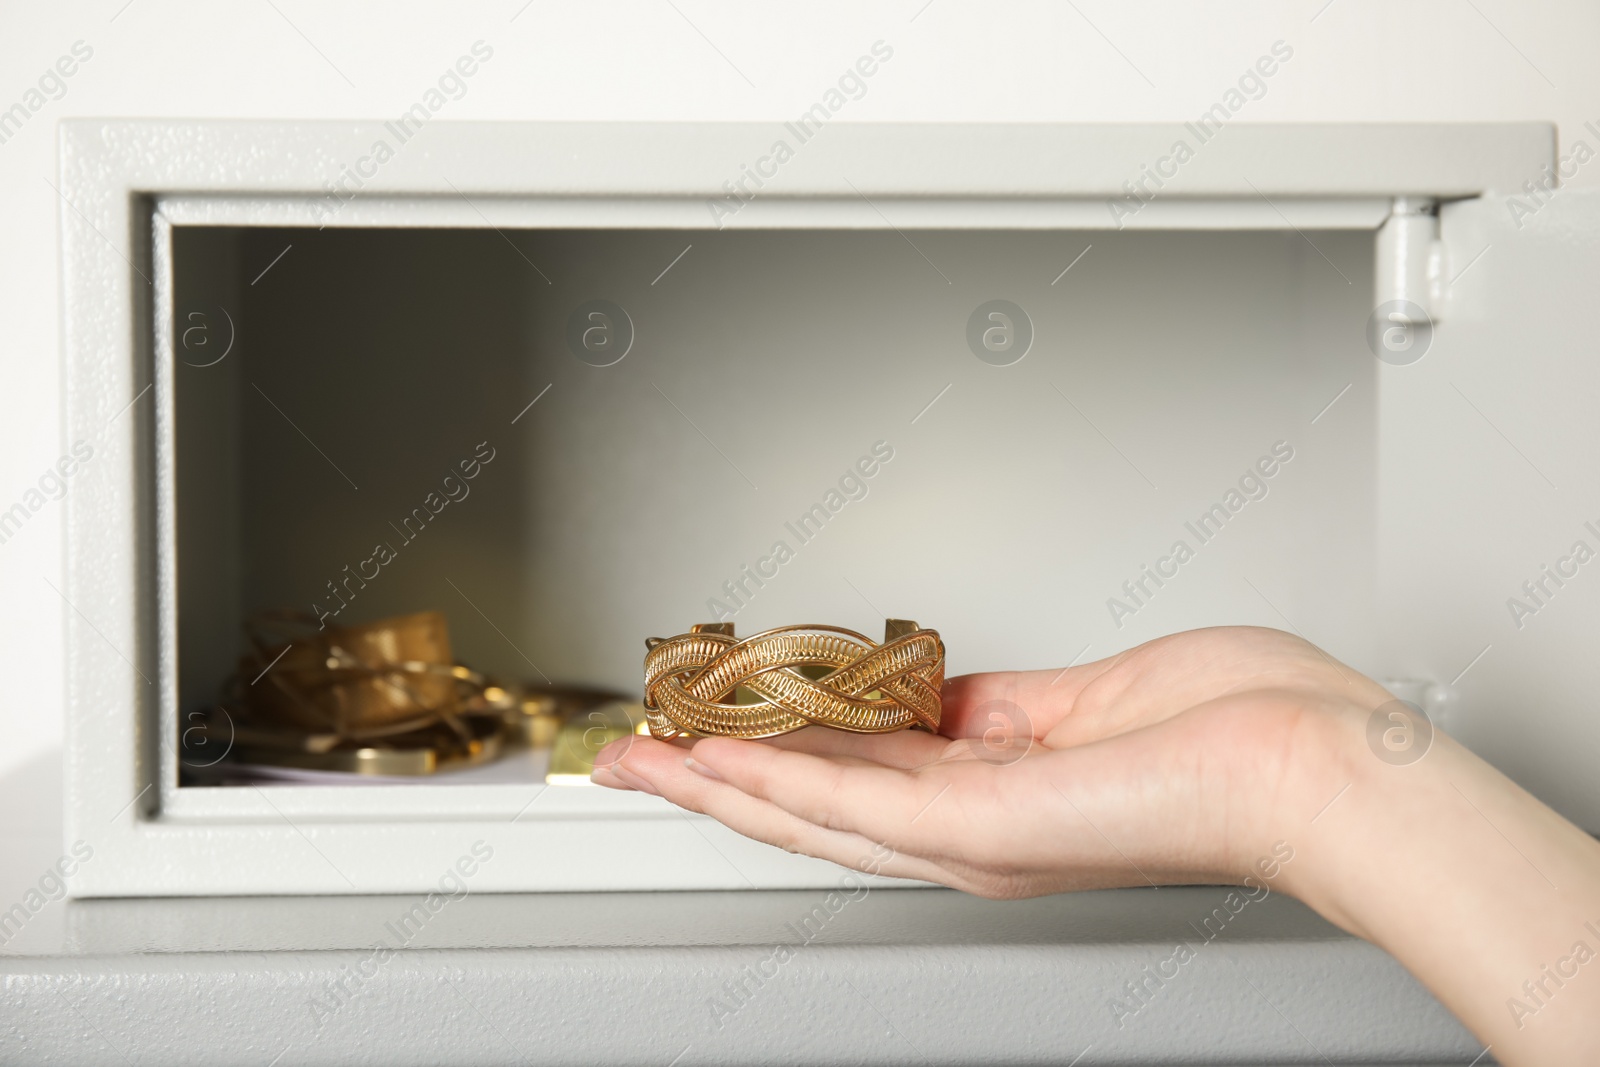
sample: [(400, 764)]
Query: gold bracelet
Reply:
[(708, 683)]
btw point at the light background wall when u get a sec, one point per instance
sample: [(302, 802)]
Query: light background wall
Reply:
[(1355, 60)]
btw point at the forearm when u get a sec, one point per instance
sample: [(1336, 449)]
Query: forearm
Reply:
[(1490, 898), (1216, 754)]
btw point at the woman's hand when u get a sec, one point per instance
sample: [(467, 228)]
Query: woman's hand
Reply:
[(1212, 756), (1179, 761)]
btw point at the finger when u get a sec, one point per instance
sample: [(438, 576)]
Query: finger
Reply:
[(972, 840), (618, 777), (607, 777), (608, 769), (605, 760), (905, 749), (1138, 687), (1044, 697), (876, 802), (667, 773), (1164, 678)]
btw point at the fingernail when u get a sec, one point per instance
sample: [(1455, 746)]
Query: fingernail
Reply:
[(700, 768), (633, 780)]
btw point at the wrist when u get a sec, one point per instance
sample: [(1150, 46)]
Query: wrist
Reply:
[(1342, 806), (1382, 805), (1470, 882), (1307, 762)]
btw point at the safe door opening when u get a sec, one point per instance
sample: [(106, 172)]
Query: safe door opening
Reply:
[(551, 445)]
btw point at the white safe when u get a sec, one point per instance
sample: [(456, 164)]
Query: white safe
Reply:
[(1066, 350)]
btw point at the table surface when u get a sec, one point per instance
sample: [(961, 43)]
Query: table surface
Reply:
[(919, 976)]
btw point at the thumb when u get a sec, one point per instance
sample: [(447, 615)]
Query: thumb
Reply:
[(1035, 701)]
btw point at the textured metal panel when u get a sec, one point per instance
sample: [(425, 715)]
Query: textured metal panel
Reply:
[(1345, 1004), (916, 977), (924, 159)]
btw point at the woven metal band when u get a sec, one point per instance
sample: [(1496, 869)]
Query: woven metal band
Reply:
[(709, 683)]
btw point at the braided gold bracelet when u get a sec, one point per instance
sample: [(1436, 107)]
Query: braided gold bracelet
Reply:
[(709, 683)]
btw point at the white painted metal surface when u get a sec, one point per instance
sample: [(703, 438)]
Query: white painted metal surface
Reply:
[(142, 178), (522, 978), (1487, 482)]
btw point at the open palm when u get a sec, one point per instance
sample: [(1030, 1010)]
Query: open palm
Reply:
[(1172, 762)]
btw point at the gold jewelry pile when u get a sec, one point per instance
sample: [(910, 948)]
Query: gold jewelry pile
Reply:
[(388, 697), (708, 683), (381, 698)]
